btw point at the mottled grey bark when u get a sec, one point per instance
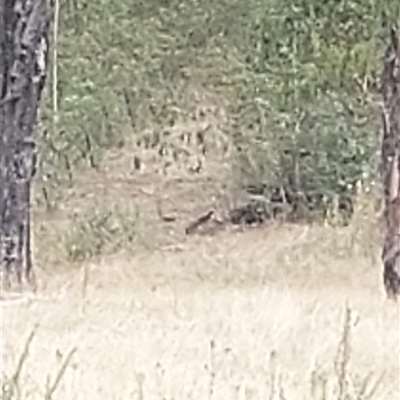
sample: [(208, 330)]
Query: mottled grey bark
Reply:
[(24, 30), (390, 164)]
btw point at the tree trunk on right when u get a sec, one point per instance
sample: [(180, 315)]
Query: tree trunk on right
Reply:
[(390, 165)]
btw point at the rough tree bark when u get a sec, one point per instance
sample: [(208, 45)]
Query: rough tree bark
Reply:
[(24, 32), (390, 165)]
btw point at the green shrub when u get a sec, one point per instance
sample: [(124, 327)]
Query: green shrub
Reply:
[(100, 231), (309, 120)]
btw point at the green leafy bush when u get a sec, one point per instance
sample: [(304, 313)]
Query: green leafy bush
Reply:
[(100, 231), (309, 122)]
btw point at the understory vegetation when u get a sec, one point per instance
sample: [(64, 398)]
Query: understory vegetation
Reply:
[(298, 79)]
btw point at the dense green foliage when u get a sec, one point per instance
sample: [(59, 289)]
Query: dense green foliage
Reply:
[(300, 77), (313, 110)]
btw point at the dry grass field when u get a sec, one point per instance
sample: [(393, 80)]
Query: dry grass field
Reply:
[(277, 312)]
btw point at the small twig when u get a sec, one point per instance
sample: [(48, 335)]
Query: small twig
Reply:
[(343, 355), (272, 365), (211, 370), (85, 282), (23, 357), (198, 222), (90, 151), (50, 389)]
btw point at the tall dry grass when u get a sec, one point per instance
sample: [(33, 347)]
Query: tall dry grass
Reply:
[(279, 312)]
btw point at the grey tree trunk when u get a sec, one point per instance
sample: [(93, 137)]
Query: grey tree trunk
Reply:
[(24, 31), (390, 165)]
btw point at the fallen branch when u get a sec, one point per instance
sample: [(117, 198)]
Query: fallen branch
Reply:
[(192, 227)]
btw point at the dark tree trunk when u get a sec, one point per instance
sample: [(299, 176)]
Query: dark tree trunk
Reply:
[(24, 30), (390, 164)]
